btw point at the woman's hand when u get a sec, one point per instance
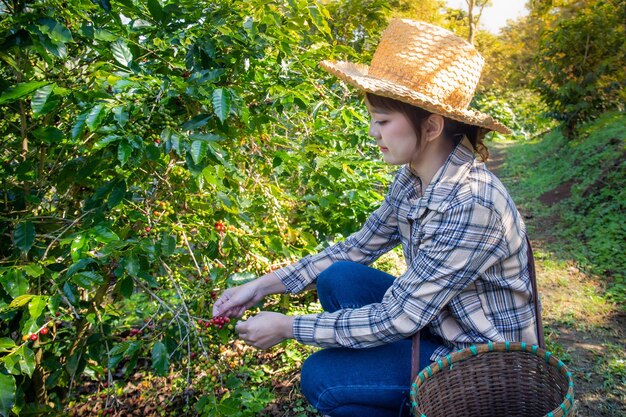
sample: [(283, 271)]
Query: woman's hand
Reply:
[(235, 301), (265, 329)]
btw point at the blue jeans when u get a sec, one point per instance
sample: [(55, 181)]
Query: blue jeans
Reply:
[(360, 382)]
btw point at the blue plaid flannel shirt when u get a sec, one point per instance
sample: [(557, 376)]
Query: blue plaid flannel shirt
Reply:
[(465, 250)]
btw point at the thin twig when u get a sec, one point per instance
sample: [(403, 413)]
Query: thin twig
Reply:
[(65, 230), (189, 248)]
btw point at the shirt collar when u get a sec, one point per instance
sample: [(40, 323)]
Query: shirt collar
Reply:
[(447, 182)]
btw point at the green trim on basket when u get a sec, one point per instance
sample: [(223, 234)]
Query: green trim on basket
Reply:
[(460, 355)]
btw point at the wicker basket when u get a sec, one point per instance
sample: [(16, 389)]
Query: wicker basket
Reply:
[(494, 380)]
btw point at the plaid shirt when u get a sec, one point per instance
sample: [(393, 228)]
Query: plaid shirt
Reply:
[(464, 244)]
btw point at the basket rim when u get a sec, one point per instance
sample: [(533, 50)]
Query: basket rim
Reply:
[(462, 354)]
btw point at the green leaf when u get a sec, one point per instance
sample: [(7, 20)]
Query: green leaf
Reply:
[(155, 9), (24, 236), (7, 394), (122, 350), (126, 287), (318, 20), (160, 359), (76, 248), (48, 134), (168, 244), (121, 115), (79, 125), (33, 270), (44, 101), (104, 235), (208, 137), (228, 406), (78, 266), (105, 141), (35, 308), (132, 265), (241, 278), (20, 362), (56, 31), (21, 90), (70, 292), (196, 122), (87, 279), (117, 194), (6, 343), (14, 283), (20, 301), (122, 53), (198, 150), (124, 151), (95, 116), (221, 103), (104, 35)]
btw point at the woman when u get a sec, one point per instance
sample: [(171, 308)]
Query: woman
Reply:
[(464, 241)]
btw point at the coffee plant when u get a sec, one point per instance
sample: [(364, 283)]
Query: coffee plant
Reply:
[(154, 153)]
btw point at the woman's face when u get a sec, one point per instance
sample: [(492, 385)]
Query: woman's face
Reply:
[(394, 134)]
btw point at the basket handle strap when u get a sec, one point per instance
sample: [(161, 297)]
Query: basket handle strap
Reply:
[(415, 356), (533, 280)]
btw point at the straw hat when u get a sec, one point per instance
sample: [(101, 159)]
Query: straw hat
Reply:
[(423, 65)]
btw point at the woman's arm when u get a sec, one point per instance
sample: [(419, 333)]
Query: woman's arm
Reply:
[(378, 235), (457, 247)]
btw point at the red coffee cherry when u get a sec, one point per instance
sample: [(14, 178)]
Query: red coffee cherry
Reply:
[(219, 226)]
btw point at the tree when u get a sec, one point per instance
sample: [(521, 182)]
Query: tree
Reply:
[(359, 23), (474, 13), (152, 154), (581, 61)]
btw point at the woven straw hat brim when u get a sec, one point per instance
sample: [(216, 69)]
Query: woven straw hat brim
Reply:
[(357, 76)]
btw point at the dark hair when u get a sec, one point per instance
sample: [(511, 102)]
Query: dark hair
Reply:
[(453, 129)]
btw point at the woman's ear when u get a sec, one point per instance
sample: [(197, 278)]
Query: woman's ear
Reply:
[(432, 127)]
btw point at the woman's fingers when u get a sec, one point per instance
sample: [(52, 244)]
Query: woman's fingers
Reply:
[(223, 304)]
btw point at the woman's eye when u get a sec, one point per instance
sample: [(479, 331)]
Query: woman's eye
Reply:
[(380, 122)]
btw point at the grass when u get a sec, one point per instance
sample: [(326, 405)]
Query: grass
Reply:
[(572, 195), (577, 185)]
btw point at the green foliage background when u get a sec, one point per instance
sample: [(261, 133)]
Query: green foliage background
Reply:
[(155, 152)]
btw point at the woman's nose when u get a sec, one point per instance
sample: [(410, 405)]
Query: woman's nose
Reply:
[(373, 130)]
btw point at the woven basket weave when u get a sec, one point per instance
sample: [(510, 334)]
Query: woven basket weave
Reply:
[(494, 380)]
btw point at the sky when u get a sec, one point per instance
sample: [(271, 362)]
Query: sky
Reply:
[(494, 17)]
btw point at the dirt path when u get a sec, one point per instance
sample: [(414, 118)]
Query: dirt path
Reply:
[(582, 327)]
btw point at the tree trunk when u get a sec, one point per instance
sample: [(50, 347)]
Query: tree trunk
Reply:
[(470, 16)]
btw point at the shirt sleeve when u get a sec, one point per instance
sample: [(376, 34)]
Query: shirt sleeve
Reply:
[(457, 246), (379, 235)]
